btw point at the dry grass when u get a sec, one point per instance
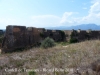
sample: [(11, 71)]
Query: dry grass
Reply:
[(73, 56)]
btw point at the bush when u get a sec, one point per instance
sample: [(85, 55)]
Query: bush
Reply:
[(31, 73), (73, 40), (62, 35), (1, 39), (42, 35), (48, 42)]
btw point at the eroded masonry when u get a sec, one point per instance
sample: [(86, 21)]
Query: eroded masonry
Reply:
[(22, 36)]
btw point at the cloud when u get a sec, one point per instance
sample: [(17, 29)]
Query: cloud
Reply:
[(94, 13), (45, 20), (95, 8), (67, 18), (92, 17), (93, 1), (52, 20)]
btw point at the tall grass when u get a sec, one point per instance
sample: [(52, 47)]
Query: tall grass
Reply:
[(73, 56)]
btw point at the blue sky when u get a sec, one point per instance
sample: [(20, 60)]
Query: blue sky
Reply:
[(49, 13)]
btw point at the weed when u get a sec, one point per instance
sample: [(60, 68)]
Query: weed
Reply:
[(31, 73)]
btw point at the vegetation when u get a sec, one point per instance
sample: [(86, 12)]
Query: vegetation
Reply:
[(42, 35), (62, 43), (73, 40), (87, 36), (48, 42), (72, 56), (1, 38), (51, 34), (74, 34), (62, 35), (31, 73)]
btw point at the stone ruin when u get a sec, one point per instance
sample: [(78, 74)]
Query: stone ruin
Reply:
[(14, 38), (21, 36), (82, 35)]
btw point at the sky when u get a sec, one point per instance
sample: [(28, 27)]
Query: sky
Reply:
[(49, 13)]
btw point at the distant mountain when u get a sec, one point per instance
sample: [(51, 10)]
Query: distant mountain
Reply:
[(82, 27), (3, 29)]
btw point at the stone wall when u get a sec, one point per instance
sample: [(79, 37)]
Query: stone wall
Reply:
[(33, 36), (68, 34), (82, 35), (15, 37), (20, 37)]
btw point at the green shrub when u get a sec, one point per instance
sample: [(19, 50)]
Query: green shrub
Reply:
[(62, 35), (1, 38), (74, 34), (87, 36), (42, 35), (51, 34), (73, 40), (48, 42), (64, 43), (31, 73)]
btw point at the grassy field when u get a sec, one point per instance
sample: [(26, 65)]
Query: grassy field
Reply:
[(62, 59)]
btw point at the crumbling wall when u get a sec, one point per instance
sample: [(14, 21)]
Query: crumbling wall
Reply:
[(88, 35), (82, 35), (20, 36), (54, 34), (30, 36), (68, 34), (95, 34), (33, 36), (15, 37), (41, 30)]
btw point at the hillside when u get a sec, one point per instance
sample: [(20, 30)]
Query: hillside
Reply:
[(42, 61)]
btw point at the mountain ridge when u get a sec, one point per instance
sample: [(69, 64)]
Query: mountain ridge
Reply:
[(81, 26)]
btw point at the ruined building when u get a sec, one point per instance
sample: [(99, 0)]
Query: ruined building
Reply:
[(21, 36), (81, 35)]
